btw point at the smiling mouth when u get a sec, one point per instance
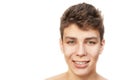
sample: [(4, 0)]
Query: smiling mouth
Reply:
[(81, 64)]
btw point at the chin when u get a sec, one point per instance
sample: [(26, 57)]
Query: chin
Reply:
[(82, 69), (82, 72)]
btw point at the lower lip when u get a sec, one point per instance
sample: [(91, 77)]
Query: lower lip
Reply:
[(80, 66)]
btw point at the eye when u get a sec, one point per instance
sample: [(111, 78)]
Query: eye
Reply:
[(71, 42), (91, 42)]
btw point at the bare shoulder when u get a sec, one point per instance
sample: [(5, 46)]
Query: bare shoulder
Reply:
[(58, 77), (102, 78)]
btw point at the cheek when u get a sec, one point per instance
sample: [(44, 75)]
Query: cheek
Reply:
[(93, 52), (68, 50)]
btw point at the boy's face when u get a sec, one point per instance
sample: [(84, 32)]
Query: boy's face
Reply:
[(81, 49)]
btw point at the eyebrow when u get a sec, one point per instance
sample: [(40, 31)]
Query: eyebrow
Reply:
[(68, 37), (88, 38)]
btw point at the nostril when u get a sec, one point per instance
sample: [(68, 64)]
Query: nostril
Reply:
[(81, 54)]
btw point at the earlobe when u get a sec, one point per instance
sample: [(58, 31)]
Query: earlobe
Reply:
[(103, 42), (102, 46), (61, 44)]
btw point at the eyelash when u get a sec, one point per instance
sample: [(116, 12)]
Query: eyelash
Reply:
[(70, 42), (91, 42), (87, 42)]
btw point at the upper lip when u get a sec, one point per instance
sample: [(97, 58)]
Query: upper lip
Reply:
[(81, 60)]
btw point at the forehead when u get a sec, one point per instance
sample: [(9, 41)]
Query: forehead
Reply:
[(74, 31)]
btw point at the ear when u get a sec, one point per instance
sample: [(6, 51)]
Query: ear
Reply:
[(102, 45), (61, 44)]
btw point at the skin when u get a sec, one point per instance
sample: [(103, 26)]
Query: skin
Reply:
[(81, 50)]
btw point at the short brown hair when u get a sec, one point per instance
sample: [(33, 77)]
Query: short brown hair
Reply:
[(85, 16)]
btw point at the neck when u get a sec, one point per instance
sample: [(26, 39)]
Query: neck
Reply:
[(92, 76)]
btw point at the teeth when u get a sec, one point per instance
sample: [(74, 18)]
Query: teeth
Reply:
[(80, 62)]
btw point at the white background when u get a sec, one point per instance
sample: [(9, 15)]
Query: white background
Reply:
[(29, 38)]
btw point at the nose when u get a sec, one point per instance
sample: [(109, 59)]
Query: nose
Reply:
[(80, 50)]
